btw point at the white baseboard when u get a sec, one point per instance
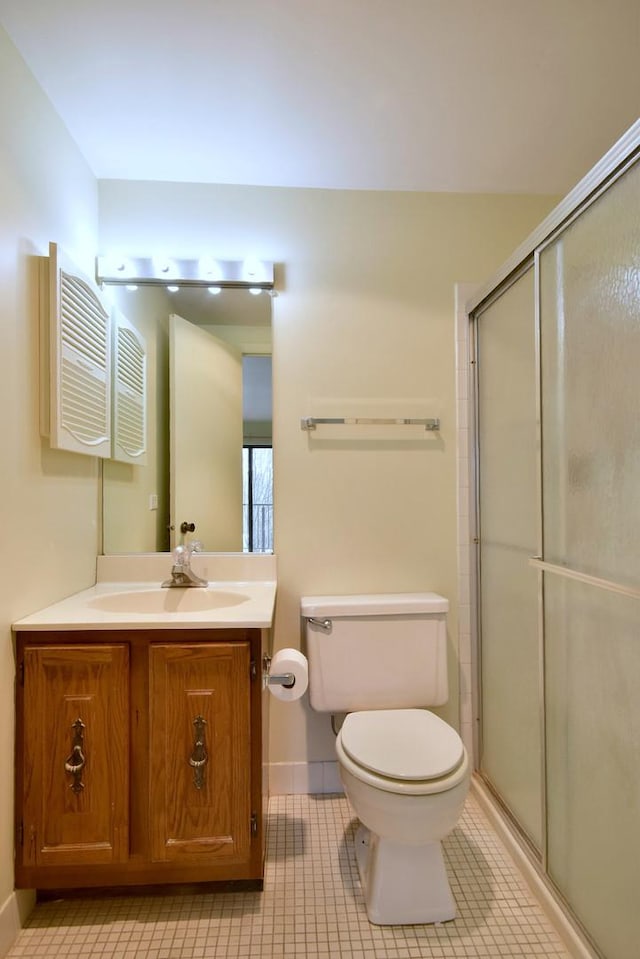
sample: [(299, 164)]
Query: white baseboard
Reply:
[(286, 779), (13, 915), (576, 944)]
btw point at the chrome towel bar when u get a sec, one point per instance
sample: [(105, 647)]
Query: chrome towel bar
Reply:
[(310, 422)]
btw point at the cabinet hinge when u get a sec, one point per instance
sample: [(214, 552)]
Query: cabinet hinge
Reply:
[(21, 833), (253, 670), (21, 672), (254, 823)]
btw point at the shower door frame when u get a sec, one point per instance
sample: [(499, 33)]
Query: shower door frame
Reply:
[(530, 262), (623, 155)]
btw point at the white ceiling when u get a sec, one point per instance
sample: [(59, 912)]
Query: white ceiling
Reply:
[(456, 95)]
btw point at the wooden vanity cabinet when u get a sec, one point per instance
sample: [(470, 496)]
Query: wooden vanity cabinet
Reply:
[(74, 755), (139, 757), (200, 752)]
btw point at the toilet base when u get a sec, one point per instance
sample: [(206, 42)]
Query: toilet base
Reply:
[(403, 884)]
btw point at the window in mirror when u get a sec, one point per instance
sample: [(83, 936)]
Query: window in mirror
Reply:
[(257, 499)]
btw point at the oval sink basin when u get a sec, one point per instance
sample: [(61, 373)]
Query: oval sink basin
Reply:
[(173, 600)]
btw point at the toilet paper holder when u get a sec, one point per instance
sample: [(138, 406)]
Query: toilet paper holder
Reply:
[(288, 680)]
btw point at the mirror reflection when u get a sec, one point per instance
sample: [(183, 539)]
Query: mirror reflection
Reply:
[(209, 433)]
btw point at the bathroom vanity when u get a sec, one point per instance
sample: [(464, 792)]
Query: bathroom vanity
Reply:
[(141, 736)]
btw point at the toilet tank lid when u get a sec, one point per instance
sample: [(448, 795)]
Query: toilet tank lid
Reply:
[(372, 604)]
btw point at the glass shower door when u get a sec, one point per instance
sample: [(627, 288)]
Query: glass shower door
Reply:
[(590, 353), (508, 469)]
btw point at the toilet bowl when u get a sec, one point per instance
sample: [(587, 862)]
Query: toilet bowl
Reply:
[(406, 775), (383, 659)]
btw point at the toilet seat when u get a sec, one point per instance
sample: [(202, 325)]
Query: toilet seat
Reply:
[(402, 743), (409, 751)]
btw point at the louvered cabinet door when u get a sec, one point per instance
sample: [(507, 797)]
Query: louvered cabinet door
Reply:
[(80, 361), (200, 809), (129, 392), (73, 747)]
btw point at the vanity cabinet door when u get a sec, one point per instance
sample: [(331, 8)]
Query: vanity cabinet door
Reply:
[(73, 749), (200, 752)]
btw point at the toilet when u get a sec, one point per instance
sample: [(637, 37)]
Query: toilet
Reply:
[(382, 659)]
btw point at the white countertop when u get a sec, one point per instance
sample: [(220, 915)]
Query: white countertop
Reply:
[(136, 600)]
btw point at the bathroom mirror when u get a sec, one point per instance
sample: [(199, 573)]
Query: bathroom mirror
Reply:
[(208, 424)]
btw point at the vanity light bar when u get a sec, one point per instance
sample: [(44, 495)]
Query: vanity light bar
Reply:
[(205, 271)]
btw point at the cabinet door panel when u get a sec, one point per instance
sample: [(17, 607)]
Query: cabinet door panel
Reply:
[(200, 752), (75, 758)]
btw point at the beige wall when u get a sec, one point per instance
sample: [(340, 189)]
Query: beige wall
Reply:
[(48, 500), (365, 310)]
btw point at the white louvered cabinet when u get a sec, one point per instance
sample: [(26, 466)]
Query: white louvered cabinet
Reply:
[(129, 426), (80, 361), (95, 377)]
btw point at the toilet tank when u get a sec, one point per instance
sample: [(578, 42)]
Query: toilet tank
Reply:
[(384, 651)]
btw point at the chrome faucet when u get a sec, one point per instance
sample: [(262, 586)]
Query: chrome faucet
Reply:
[(181, 573)]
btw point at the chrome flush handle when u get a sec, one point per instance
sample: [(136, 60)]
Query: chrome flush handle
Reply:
[(320, 623)]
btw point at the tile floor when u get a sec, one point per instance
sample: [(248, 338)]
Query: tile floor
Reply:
[(311, 907)]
